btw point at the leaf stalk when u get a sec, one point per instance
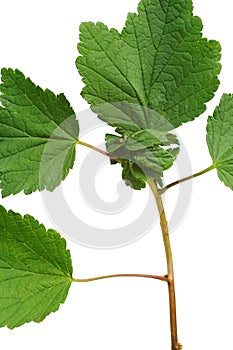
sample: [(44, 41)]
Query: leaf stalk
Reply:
[(161, 278), (164, 189), (85, 144)]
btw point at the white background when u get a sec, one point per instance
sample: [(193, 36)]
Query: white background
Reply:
[(40, 39)]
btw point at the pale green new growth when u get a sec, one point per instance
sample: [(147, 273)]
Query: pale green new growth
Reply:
[(38, 133), (143, 155), (220, 139), (35, 270)]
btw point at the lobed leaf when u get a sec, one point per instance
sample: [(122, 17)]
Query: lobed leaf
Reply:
[(38, 133), (158, 67), (35, 270), (155, 75)]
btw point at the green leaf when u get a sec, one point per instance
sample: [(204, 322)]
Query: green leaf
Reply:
[(35, 270), (220, 139), (143, 155), (159, 70), (38, 133), (133, 175)]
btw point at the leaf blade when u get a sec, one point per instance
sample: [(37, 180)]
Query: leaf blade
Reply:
[(220, 139), (36, 126), (159, 61), (35, 270)]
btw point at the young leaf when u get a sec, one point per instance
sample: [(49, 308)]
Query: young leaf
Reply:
[(143, 155), (38, 133), (159, 62), (35, 270), (220, 139)]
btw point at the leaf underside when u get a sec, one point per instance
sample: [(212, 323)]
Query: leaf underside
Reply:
[(157, 74), (38, 133), (220, 139), (35, 270)]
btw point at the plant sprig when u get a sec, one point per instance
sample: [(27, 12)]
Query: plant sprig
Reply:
[(145, 82)]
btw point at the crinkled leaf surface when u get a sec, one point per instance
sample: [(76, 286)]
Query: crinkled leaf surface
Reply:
[(35, 270), (160, 61), (220, 139), (143, 155), (38, 133)]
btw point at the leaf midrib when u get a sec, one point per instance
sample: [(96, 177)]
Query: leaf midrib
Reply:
[(29, 273), (47, 139), (156, 49)]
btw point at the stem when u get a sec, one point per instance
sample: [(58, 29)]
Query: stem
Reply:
[(96, 149), (161, 278), (186, 179), (170, 271)]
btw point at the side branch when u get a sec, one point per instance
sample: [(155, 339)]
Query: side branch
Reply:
[(161, 278)]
